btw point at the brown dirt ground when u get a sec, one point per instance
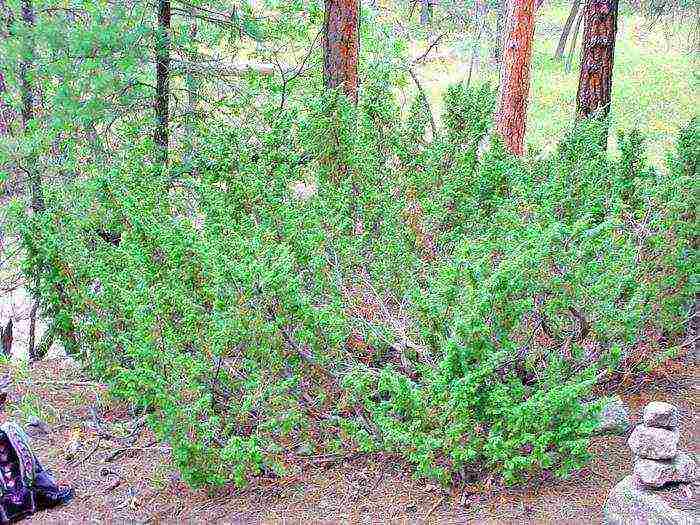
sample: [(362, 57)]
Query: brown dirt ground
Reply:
[(141, 486)]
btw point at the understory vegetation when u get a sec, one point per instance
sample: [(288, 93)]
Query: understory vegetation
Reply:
[(329, 278)]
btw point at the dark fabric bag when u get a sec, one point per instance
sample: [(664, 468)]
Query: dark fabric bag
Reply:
[(26, 486)]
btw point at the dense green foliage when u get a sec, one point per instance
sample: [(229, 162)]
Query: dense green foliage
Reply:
[(311, 277), (415, 298)]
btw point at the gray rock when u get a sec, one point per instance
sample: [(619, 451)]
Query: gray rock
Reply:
[(614, 418), (630, 503), (657, 473), (654, 443), (661, 415)]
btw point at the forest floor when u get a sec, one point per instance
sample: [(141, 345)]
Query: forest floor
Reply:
[(137, 482)]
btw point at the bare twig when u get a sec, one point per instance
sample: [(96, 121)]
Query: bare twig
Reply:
[(429, 49)]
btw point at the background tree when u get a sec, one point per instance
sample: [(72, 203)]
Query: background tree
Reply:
[(597, 58), (342, 46), (561, 46), (511, 109), (574, 39), (161, 137), (500, 14), (6, 113)]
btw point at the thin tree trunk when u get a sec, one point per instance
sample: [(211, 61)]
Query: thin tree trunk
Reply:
[(425, 11), (6, 338), (498, 41), (559, 53), (161, 136), (26, 72), (191, 81), (597, 58), (574, 39), (342, 46), (480, 12), (28, 102), (511, 110), (5, 110)]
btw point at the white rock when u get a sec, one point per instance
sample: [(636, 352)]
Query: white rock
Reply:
[(630, 503), (304, 190), (660, 414), (654, 443), (657, 473), (613, 418)]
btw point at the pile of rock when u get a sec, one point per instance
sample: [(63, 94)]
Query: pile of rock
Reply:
[(655, 446), (658, 464)]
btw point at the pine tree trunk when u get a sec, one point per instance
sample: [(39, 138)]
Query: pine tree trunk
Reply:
[(26, 70), (559, 53), (597, 58), (161, 135), (342, 46), (511, 110)]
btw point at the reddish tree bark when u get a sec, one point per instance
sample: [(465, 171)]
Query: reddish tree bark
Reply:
[(511, 110), (597, 57), (342, 46)]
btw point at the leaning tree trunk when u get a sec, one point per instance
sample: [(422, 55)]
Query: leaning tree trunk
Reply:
[(559, 53), (511, 110), (26, 76), (342, 46), (161, 135), (597, 57), (574, 39)]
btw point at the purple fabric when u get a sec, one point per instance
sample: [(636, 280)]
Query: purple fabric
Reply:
[(26, 486)]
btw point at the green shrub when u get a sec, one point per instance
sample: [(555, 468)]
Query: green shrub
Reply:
[(454, 309)]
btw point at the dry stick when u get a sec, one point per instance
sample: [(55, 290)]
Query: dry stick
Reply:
[(421, 92), (62, 383), (434, 507), (89, 454), (429, 49)]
